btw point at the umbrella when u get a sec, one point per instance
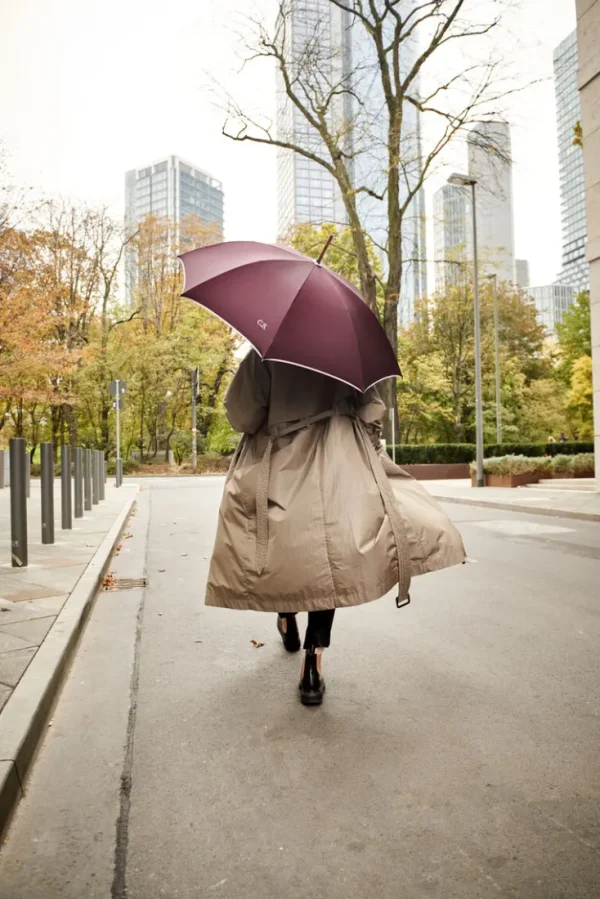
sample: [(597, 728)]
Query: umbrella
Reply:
[(291, 309)]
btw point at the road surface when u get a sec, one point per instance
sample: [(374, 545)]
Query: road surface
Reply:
[(456, 754)]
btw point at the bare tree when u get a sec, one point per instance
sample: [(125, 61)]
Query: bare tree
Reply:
[(358, 120)]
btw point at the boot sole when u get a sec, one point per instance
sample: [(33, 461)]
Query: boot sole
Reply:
[(311, 698)]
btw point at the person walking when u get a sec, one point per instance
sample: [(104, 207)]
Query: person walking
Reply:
[(315, 516)]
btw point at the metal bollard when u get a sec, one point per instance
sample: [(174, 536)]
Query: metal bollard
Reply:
[(28, 474), (118, 472), (18, 502), (87, 479), (1, 469), (78, 482), (95, 477), (101, 464), (47, 458), (66, 501)]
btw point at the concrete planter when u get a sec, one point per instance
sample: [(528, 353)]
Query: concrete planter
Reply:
[(508, 480), (437, 472)]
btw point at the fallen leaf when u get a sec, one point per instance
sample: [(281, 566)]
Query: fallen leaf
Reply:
[(183, 555), (118, 549), (4, 610), (197, 641), (162, 569), (160, 614), (127, 536), (257, 644), (108, 581)]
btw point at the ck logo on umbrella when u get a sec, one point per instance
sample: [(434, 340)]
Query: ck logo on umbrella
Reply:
[(262, 324)]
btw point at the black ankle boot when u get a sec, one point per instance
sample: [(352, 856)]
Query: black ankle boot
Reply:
[(312, 684), (290, 637)]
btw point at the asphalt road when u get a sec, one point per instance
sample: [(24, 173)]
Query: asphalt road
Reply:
[(456, 754)]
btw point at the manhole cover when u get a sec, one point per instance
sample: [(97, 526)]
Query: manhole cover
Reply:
[(122, 583)]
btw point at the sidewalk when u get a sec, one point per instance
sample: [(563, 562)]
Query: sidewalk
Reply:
[(42, 609), (559, 503)]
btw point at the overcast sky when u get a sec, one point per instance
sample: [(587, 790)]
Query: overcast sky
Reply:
[(90, 89)]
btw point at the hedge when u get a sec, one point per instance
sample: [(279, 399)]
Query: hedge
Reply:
[(580, 465), (447, 453)]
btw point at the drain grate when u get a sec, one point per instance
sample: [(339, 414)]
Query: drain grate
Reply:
[(122, 583)]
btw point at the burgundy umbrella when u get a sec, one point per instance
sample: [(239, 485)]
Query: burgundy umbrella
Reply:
[(291, 309)]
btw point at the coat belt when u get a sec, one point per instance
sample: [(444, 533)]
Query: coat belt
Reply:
[(387, 496)]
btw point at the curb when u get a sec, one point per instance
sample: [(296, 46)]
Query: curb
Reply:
[(519, 507), (25, 714)]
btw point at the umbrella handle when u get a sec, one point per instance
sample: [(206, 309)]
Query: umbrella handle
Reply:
[(325, 248)]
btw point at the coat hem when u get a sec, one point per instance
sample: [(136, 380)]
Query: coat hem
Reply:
[(321, 602), (296, 604)]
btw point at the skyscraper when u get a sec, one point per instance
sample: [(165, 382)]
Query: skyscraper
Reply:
[(575, 268), (489, 149), (175, 189), (522, 272), (453, 235), (551, 303), (307, 192), (172, 189)]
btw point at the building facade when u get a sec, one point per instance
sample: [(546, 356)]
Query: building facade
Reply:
[(522, 273), (306, 191), (490, 162), (575, 268), (551, 302), (453, 236), (173, 189), (588, 31)]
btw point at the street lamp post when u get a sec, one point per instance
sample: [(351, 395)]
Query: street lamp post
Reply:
[(494, 280), (467, 181)]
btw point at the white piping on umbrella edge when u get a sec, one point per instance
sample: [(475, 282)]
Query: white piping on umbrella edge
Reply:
[(286, 361), (326, 374)]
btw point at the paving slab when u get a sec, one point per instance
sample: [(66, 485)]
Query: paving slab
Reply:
[(32, 631), (11, 612), (43, 608), (13, 665), (575, 504)]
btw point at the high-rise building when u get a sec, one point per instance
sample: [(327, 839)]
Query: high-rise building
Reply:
[(171, 189), (551, 302), (575, 268), (522, 273), (307, 192), (490, 162), (175, 189), (453, 235)]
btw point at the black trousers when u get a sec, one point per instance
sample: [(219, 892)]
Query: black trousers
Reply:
[(318, 632)]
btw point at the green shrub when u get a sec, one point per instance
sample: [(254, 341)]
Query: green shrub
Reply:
[(222, 439), (501, 465), (429, 453), (129, 467), (181, 445), (446, 453), (209, 464), (582, 465), (562, 464)]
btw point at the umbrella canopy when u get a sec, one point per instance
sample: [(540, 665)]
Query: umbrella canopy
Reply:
[(291, 309)]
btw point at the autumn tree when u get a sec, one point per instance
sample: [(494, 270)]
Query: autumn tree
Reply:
[(361, 122), (574, 334), (438, 361)]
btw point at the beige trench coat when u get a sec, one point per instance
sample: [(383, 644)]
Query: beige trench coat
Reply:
[(314, 516)]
